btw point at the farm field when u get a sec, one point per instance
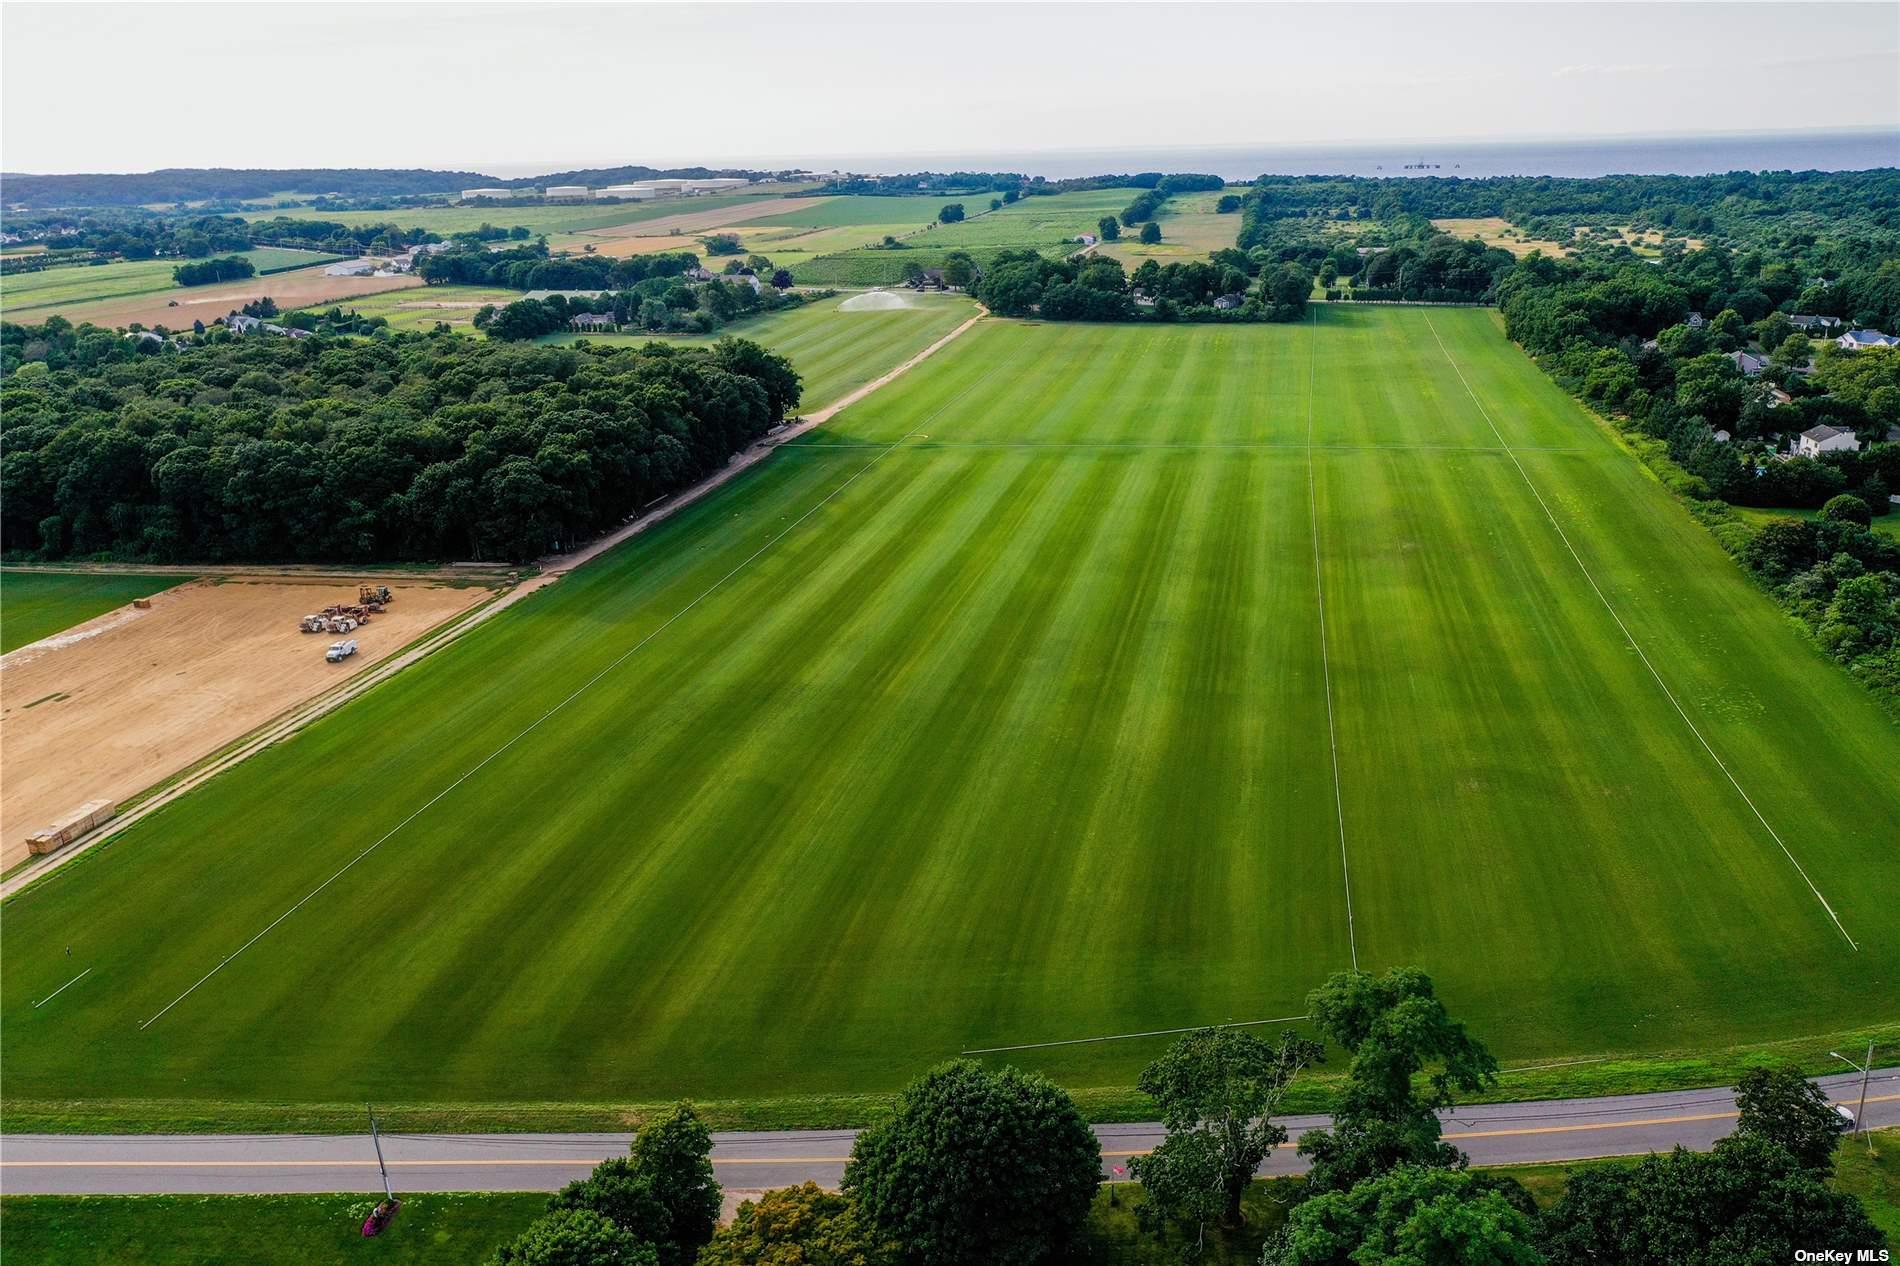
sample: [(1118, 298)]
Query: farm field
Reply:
[(1002, 710), (1047, 224), (1190, 230), (835, 349), (543, 218), (1495, 230), (413, 308), (34, 605), (86, 717), (177, 308), (34, 296)]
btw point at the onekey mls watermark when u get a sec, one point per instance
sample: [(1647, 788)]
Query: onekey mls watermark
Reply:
[(1842, 1255)]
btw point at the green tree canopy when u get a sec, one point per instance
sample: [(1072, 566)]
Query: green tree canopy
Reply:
[(1217, 1090), (1782, 1106), (977, 1168), (1150, 233), (1413, 1216), (574, 1237), (1395, 1028), (796, 1226)]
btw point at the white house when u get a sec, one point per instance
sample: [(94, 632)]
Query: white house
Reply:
[(1859, 340), (1085, 239), (241, 324), (1825, 439)]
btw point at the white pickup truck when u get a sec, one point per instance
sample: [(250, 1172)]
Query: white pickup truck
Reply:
[(340, 651)]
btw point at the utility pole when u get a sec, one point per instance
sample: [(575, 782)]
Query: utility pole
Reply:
[(1865, 1070), (377, 1141)]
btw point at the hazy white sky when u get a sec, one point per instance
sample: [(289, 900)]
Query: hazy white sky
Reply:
[(525, 87)]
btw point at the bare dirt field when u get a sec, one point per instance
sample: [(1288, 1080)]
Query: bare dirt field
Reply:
[(290, 290), (107, 708), (645, 237)]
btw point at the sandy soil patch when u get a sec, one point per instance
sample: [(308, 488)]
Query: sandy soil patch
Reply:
[(612, 237), (104, 710), (299, 289), (1496, 231)]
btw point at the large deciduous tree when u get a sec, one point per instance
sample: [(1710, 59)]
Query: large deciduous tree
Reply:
[(1395, 1028), (977, 1168), (1217, 1090)]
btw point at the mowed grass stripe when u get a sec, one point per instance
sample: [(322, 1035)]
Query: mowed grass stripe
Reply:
[(1648, 665), (1014, 744)]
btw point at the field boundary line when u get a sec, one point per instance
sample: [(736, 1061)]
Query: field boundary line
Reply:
[(580, 690), (1637, 647), (1123, 1037), (1325, 660)]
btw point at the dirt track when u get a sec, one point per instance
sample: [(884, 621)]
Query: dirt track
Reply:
[(106, 709)]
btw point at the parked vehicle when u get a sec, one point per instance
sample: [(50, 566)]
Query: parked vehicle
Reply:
[(340, 651)]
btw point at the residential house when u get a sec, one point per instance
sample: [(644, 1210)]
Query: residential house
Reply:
[(1227, 303), (1086, 239), (1807, 323), (1721, 436), (1695, 321), (1825, 439), (1860, 340), (1750, 364), (594, 321), (238, 323)]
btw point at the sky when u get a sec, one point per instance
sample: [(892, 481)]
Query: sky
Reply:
[(516, 89)]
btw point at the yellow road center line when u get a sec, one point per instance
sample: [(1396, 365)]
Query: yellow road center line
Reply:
[(1576, 1127)]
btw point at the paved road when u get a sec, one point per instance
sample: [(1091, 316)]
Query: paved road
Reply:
[(1493, 1134)]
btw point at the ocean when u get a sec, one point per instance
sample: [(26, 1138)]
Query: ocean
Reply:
[(1686, 156)]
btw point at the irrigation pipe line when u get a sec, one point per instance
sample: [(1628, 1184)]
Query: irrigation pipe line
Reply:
[(1123, 1037)]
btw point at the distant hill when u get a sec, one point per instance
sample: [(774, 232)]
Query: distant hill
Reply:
[(223, 184), (230, 184)]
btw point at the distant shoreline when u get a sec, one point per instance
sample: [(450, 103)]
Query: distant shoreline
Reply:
[(1856, 149)]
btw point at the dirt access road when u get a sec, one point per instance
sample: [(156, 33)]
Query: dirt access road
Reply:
[(107, 708)]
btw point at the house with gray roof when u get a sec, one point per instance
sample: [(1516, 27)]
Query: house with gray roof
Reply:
[(1825, 439)]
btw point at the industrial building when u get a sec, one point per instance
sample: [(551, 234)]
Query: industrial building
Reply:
[(578, 193), (469, 194)]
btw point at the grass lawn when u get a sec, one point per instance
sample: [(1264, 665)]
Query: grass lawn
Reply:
[(31, 297), (423, 307), (538, 218), (834, 352), (1887, 524), (1191, 229), (995, 712), (447, 1229), (1047, 224), (34, 605)]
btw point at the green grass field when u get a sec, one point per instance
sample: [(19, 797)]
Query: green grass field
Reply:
[(550, 219), (23, 295), (421, 308), (34, 605), (1888, 524), (997, 711), (1046, 224), (446, 1229), (834, 352)]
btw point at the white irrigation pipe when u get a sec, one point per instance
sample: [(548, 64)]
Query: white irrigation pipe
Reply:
[(1123, 1037)]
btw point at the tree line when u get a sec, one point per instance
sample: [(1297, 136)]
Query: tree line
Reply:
[(204, 272), (1619, 334), (417, 447), (976, 1166), (659, 305), (1098, 288)]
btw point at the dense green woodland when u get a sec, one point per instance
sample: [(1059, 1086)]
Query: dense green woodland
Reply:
[(418, 447)]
